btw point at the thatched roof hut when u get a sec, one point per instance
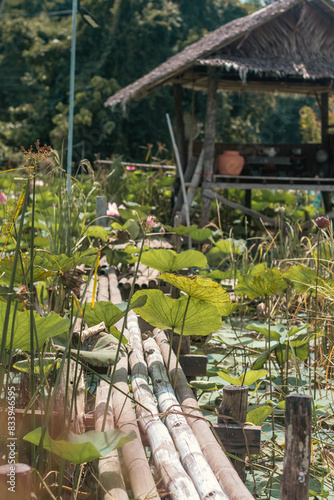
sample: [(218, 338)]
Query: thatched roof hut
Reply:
[(287, 46)]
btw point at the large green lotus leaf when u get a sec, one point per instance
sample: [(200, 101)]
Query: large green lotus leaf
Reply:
[(164, 259), (277, 332), (161, 311), (181, 230), (50, 326), (21, 275), (259, 415), (266, 284), (63, 263), (245, 379), (201, 234), (97, 232), (202, 289), (81, 448), (304, 280)]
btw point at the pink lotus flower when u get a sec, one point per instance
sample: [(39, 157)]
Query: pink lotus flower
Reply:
[(130, 167), (113, 209), (149, 223), (3, 198)]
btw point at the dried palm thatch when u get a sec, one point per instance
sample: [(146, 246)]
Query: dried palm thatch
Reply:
[(286, 46)]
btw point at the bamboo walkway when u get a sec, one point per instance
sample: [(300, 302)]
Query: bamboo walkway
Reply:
[(175, 454)]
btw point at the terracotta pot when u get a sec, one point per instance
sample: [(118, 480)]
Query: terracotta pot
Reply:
[(230, 163)]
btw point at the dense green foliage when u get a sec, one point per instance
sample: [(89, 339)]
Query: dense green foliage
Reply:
[(134, 37)]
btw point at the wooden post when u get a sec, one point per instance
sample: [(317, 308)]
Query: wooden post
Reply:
[(15, 482), (101, 211), (179, 122), (248, 204), (209, 139), (233, 409), (296, 465), (324, 119)]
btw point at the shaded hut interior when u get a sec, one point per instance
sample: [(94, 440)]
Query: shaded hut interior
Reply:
[(286, 47)]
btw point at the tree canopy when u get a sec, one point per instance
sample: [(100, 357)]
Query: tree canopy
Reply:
[(134, 37)]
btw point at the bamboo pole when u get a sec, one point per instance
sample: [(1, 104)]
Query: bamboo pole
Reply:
[(166, 459), (296, 465), (110, 471), (185, 441), (71, 407), (103, 292), (218, 461), (134, 456)]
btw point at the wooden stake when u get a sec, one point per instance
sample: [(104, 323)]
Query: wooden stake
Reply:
[(15, 482), (296, 465), (179, 121), (233, 408)]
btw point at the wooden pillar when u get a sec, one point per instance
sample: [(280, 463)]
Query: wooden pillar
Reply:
[(233, 409), (209, 139), (179, 122), (324, 119), (296, 465)]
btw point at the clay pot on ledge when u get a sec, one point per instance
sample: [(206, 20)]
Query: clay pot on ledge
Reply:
[(230, 163)]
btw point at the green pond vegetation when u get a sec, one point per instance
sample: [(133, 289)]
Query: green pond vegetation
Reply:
[(257, 300)]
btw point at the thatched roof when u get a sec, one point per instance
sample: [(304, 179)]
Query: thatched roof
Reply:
[(287, 46)]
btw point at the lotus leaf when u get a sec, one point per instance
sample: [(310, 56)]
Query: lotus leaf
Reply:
[(81, 448), (266, 284), (168, 260), (161, 311), (47, 327), (304, 280), (245, 379), (203, 289), (259, 415)]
